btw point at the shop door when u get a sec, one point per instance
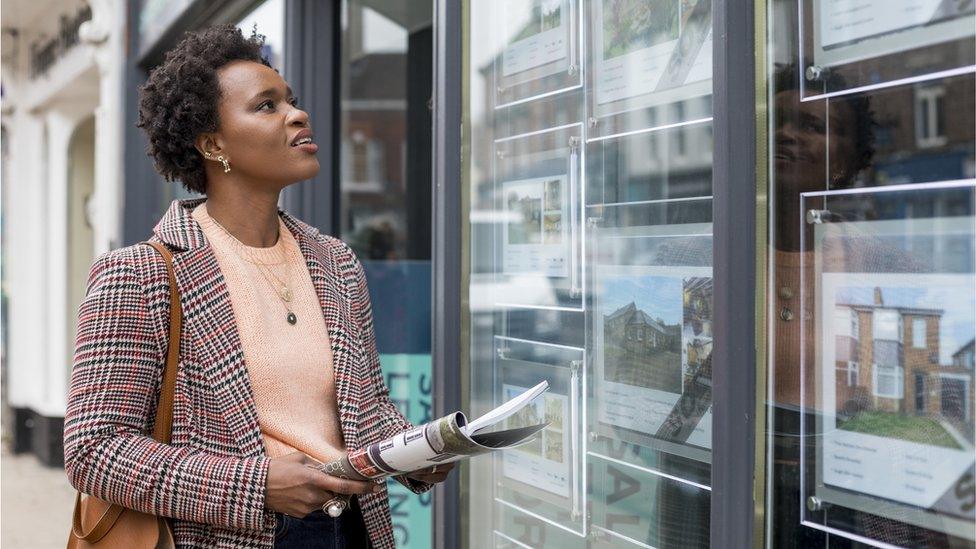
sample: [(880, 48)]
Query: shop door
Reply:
[(871, 146), (588, 260)]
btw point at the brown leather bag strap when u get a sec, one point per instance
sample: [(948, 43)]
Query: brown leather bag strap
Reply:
[(164, 410), (102, 527)]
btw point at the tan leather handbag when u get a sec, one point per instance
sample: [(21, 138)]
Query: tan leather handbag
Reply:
[(102, 525)]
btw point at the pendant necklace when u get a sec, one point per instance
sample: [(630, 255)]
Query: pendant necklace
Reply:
[(282, 291)]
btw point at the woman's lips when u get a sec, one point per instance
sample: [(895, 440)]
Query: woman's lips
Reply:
[(310, 148)]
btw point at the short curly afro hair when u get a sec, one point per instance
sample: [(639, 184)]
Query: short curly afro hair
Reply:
[(179, 100), (787, 78)]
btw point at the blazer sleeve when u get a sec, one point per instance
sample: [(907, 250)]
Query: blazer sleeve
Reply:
[(112, 399), (393, 421)]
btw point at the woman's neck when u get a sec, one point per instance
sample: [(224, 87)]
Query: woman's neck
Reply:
[(251, 218)]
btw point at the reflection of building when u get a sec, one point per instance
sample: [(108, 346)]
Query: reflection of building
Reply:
[(639, 334), (924, 131), (887, 358), (62, 99)]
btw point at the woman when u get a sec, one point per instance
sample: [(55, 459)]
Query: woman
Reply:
[(278, 363)]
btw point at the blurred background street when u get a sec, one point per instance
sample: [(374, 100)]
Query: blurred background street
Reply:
[(36, 503)]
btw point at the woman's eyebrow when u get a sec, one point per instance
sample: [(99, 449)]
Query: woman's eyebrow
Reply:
[(271, 92)]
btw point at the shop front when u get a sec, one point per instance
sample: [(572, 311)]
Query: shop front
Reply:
[(738, 242), (737, 239)]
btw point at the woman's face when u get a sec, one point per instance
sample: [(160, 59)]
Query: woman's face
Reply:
[(262, 131), (803, 143)]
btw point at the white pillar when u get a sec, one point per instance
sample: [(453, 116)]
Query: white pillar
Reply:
[(25, 240), (61, 123), (105, 31)]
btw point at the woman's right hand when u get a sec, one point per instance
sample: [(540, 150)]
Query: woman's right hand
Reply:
[(296, 488)]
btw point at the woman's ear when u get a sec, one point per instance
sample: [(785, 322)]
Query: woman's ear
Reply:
[(208, 145)]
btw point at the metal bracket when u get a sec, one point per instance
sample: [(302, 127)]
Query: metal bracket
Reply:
[(817, 217), (815, 504)]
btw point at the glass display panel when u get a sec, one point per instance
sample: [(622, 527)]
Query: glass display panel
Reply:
[(853, 44), (895, 420), (647, 60), (537, 188), (634, 506), (871, 279), (651, 345), (539, 41), (543, 475), (565, 219)]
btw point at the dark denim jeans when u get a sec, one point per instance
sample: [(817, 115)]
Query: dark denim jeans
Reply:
[(320, 531)]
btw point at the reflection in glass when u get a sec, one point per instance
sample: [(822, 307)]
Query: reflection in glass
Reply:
[(384, 151), (647, 55), (864, 43), (539, 42), (384, 202), (872, 289), (582, 240)]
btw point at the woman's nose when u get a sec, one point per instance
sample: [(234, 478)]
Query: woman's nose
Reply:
[(298, 117), (787, 133)]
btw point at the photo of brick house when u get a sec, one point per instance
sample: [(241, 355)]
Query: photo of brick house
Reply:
[(956, 391), (641, 349), (888, 360)]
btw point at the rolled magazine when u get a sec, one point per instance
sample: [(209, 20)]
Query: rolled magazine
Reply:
[(448, 439)]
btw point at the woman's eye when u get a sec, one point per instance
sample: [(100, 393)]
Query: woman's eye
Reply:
[(294, 102), (268, 103)]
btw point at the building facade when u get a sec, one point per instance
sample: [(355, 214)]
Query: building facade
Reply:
[(62, 189)]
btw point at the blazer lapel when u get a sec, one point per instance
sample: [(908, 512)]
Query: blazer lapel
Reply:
[(343, 333), (209, 315)]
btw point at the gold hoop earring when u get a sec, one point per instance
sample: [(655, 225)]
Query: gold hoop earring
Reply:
[(224, 161)]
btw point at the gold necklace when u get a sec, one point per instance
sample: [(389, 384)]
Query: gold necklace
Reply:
[(284, 293)]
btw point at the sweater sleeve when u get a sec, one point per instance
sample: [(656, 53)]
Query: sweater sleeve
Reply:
[(111, 402)]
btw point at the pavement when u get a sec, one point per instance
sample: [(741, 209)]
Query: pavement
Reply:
[(35, 503)]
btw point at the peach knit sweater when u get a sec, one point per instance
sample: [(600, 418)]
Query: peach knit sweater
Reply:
[(290, 366)]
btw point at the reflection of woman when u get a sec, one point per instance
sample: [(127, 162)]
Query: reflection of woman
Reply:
[(816, 147), (278, 363), (801, 148)]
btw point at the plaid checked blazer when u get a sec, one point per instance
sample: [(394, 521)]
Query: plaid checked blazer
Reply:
[(211, 479)]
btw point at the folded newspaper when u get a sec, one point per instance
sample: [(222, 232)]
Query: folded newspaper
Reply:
[(450, 438)]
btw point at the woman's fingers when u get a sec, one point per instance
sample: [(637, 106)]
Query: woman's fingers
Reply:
[(433, 475), (430, 478), (343, 486)]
